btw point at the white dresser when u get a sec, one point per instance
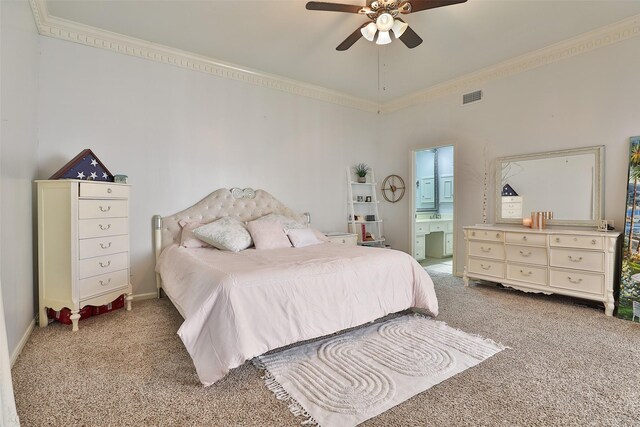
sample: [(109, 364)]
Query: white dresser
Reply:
[(578, 263), (83, 245)]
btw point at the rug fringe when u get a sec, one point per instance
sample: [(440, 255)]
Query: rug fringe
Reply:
[(281, 394), (484, 339)]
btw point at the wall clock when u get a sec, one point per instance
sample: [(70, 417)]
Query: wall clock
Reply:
[(393, 188)]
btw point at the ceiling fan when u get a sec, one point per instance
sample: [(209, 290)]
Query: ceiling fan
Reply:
[(384, 17)]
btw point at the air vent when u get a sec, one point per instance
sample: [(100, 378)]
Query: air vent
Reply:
[(471, 97)]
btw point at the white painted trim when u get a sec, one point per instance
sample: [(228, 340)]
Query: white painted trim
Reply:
[(583, 43), (23, 342), (142, 297), (63, 29), (52, 26)]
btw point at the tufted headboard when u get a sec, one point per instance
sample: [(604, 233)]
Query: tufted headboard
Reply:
[(245, 204)]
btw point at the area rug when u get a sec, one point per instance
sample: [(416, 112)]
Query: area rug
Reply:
[(347, 379)]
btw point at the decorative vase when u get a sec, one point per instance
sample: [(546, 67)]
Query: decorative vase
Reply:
[(362, 179)]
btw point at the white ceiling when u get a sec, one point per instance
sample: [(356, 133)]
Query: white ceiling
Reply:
[(281, 37)]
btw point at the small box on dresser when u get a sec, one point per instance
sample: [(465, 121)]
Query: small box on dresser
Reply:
[(83, 245)]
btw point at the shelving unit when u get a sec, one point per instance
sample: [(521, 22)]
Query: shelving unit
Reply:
[(370, 232)]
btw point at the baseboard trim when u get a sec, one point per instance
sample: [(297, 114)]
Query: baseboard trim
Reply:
[(23, 342), (141, 297)]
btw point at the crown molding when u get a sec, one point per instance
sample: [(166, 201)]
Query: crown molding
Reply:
[(583, 43), (55, 27), (63, 29)]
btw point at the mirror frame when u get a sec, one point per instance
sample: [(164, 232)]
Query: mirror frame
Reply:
[(598, 199)]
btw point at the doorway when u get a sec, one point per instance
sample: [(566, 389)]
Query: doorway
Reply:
[(433, 208)]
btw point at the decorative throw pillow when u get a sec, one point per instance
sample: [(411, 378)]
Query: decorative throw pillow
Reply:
[(286, 222), (268, 235), (187, 238), (227, 233), (320, 235), (301, 237)]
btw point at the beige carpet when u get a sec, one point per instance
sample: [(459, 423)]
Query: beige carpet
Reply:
[(568, 365)]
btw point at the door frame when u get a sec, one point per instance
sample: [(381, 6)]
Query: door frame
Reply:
[(412, 195)]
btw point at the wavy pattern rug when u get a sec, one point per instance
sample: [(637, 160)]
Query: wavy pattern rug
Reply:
[(347, 379)]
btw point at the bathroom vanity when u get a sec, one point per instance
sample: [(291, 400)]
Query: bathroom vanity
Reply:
[(434, 238)]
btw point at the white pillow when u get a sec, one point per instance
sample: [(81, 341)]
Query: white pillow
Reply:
[(268, 235), (301, 237), (286, 222), (226, 233), (320, 235)]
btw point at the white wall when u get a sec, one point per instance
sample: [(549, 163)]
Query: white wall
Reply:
[(18, 146), (180, 134), (587, 100)]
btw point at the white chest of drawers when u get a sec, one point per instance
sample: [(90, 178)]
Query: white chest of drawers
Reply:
[(572, 262), (511, 207), (83, 245)]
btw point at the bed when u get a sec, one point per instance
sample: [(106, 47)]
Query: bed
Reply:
[(239, 305)]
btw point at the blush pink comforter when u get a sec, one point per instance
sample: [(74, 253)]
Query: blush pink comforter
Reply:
[(240, 305)]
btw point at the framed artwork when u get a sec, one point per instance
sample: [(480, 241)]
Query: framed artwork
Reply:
[(629, 295), (86, 166)]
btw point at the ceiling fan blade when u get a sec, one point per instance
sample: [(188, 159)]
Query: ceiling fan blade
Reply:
[(418, 5), (410, 38), (349, 41), (333, 7)]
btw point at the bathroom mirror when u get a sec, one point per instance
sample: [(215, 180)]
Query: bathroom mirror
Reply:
[(568, 183)]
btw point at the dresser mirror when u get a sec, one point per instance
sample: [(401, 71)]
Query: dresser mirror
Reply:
[(568, 183)]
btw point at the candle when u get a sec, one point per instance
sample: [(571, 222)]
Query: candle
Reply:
[(526, 222)]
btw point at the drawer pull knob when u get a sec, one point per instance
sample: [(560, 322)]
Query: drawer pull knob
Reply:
[(105, 247), (473, 233), (488, 267), (575, 239), (572, 259), (105, 283), (525, 274), (103, 228), (497, 235), (557, 240), (524, 238), (105, 210), (593, 242), (105, 265), (109, 190), (528, 254), (574, 280), (486, 250)]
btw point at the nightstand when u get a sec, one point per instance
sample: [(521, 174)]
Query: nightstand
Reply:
[(343, 238)]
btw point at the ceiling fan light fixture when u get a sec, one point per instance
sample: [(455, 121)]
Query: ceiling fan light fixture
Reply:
[(405, 7), (383, 37), (369, 31), (399, 28), (384, 22)]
